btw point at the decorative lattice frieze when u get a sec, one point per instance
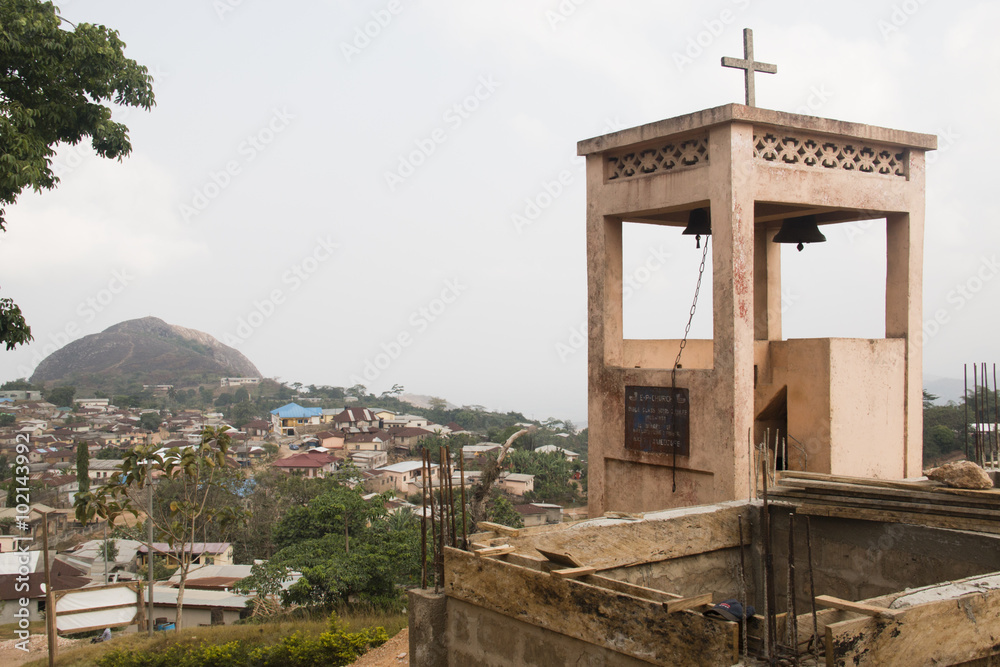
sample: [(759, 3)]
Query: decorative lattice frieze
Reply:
[(659, 159), (816, 152)]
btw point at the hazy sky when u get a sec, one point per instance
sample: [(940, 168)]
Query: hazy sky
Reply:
[(321, 183)]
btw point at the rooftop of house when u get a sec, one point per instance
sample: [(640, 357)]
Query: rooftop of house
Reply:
[(296, 411)]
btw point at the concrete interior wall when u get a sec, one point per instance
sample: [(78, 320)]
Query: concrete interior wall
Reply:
[(857, 560)]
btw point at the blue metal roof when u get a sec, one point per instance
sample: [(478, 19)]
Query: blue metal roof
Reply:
[(296, 411)]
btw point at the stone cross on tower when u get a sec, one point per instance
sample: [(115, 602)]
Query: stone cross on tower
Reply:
[(748, 64)]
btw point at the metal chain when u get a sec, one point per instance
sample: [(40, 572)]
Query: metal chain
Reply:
[(694, 306), (677, 361)]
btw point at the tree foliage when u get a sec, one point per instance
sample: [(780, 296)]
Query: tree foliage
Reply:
[(60, 396), (14, 330), (83, 467), (54, 83), (193, 475)]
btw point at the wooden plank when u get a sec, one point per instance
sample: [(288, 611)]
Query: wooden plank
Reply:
[(858, 491), (879, 503), (619, 622), (560, 556), (945, 632), (573, 572), (499, 529), (495, 551), (885, 516), (692, 602), (659, 536), (866, 481), (858, 607), (631, 589)]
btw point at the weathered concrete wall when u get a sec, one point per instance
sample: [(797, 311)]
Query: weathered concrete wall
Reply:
[(856, 560), (428, 628), (485, 638), (714, 572)]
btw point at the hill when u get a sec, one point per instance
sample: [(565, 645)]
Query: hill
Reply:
[(146, 350)]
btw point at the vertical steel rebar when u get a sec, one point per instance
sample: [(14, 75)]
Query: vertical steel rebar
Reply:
[(996, 419), (793, 622), (965, 395), (812, 590), (465, 521), (743, 585), (975, 409), (423, 520), (771, 632), (451, 498)]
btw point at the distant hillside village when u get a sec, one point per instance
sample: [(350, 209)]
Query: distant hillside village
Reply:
[(375, 450)]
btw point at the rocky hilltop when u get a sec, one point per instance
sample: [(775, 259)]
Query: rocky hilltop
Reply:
[(147, 350)]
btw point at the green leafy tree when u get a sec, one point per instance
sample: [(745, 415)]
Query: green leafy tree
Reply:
[(502, 511), (54, 83), (194, 473), (108, 550), (241, 395), (7, 419), (60, 396), (14, 330), (150, 421), (83, 467), (20, 384)]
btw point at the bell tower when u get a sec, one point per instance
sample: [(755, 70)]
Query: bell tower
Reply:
[(665, 436)]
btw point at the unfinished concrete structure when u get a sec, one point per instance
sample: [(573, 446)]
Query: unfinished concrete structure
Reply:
[(914, 585), (853, 404)]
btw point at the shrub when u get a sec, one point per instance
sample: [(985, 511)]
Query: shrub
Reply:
[(335, 647)]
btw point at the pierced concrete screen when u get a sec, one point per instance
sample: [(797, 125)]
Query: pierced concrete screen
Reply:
[(657, 420)]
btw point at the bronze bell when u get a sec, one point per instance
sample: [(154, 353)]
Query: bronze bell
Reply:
[(699, 222), (803, 229)]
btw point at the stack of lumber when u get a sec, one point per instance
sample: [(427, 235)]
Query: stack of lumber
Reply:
[(921, 503)]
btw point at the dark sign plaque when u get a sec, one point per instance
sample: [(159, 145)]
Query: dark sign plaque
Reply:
[(657, 420)]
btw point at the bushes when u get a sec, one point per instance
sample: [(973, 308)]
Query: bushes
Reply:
[(335, 647)]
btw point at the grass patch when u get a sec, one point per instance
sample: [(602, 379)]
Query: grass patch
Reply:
[(251, 634)]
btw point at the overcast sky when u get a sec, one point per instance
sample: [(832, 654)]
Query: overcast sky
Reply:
[(324, 182)]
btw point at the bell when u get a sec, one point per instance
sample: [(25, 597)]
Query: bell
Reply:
[(699, 222), (799, 230)]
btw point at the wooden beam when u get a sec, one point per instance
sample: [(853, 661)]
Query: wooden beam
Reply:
[(573, 572), (631, 589), (497, 528), (495, 551), (688, 603), (857, 607), (560, 556), (912, 518)]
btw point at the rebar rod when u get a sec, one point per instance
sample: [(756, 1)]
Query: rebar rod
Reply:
[(965, 396), (812, 590), (423, 523), (793, 625), (743, 592)]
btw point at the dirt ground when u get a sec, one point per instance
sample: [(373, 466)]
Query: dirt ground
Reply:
[(10, 655), (393, 653)]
